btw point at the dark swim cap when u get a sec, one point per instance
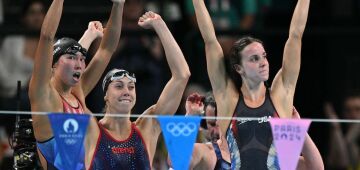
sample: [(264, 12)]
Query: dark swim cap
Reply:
[(66, 46)]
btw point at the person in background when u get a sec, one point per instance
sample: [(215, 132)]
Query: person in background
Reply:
[(344, 147), (19, 51)]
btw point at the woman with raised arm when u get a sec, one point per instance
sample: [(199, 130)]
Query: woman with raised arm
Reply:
[(242, 92), (60, 82), (118, 143)]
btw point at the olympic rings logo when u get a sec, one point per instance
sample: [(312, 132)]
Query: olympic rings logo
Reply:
[(184, 129), (70, 141)]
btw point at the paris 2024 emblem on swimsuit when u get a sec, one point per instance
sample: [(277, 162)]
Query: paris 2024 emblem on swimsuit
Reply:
[(70, 127), (69, 132)]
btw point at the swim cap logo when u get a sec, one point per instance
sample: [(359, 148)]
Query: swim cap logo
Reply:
[(56, 50)]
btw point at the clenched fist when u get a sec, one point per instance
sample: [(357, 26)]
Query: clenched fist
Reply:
[(96, 28), (148, 20), (194, 104)]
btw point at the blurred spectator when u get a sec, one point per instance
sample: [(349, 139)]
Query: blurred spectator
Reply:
[(17, 54), (197, 104), (190, 89), (344, 148), (204, 105), (5, 150), (16, 63), (140, 54), (213, 153), (210, 111)]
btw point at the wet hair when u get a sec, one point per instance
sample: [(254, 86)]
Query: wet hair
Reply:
[(235, 57)]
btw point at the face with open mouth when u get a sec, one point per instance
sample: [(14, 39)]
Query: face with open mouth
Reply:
[(76, 76), (70, 67)]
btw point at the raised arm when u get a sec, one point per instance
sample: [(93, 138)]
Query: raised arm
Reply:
[(292, 51), (171, 95), (107, 47), (224, 89), (94, 30), (284, 83), (40, 79), (214, 53)]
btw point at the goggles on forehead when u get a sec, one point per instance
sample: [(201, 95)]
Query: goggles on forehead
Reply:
[(121, 74), (74, 49), (117, 74)]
